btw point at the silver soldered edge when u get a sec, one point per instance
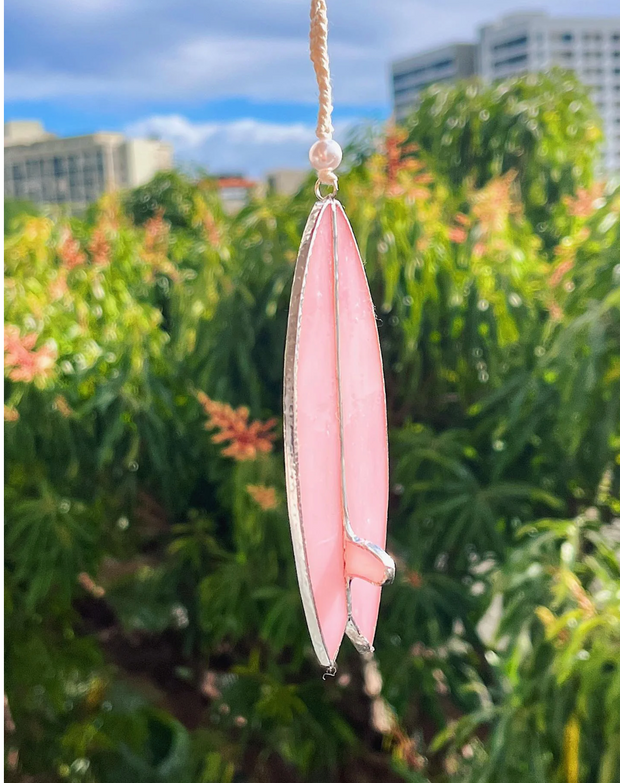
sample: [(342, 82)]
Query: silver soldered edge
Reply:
[(291, 449), (359, 641)]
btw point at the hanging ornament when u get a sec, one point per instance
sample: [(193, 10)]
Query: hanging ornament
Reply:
[(335, 428)]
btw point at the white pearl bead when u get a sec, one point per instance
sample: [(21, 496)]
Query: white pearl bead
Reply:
[(325, 154)]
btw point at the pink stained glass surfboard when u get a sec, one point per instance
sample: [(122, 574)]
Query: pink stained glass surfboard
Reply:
[(335, 435)]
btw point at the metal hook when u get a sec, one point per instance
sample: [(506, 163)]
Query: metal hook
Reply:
[(319, 195), (330, 671)]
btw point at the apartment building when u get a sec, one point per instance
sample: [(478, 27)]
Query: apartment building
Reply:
[(586, 45), (413, 74), (75, 171), (528, 42)]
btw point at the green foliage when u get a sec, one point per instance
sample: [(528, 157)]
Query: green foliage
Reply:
[(540, 125), (154, 627), (14, 209), (558, 642)]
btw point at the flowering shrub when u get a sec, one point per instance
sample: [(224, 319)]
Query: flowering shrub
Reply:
[(154, 627)]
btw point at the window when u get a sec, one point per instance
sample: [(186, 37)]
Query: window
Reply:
[(517, 60), (511, 43), (33, 168), (75, 191), (438, 66), (59, 167), (48, 191), (100, 164), (18, 172), (62, 190), (567, 37)]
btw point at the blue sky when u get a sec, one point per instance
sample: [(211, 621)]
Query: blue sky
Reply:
[(228, 82)]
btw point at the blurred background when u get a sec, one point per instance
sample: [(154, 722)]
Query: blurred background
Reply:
[(156, 188)]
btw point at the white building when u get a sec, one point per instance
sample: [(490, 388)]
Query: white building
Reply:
[(411, 75), (286, 182), (588, 46), (75, 171), (531, 41)]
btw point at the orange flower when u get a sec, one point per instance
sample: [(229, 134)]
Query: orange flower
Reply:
[(414, 578), (555, 311), (209, 223), (406, 748), (58, 287), (245, 441), (62, 406), (457, 234), (395, 171), (69, 250), (583, 204), (156, 246), (264, 496), (10, 413), (566, 258), (90, 586), (25, 363), (493, 205), (99, 248), (157, 231)]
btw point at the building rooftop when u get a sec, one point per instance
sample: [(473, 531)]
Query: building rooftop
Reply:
[(404, 62), (25, 132)]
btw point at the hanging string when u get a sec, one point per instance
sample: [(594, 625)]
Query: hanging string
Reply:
[(320, 61)]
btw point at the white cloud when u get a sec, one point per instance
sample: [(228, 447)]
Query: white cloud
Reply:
[(43, 85), (246, 146), (165, 50), (210, 68)]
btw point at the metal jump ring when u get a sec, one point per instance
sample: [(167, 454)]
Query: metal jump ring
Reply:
[(319, 195)]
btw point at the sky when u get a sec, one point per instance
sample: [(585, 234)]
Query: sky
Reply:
[(229, 82)]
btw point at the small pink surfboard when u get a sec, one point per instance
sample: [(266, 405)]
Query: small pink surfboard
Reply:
[(335, 437)]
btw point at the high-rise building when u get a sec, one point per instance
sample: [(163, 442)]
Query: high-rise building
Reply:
[(411, 75), (588, 46), (75, 171), (533, 41)]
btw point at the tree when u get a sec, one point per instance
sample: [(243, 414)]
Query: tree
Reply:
[(542, 126), (16, 208)]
